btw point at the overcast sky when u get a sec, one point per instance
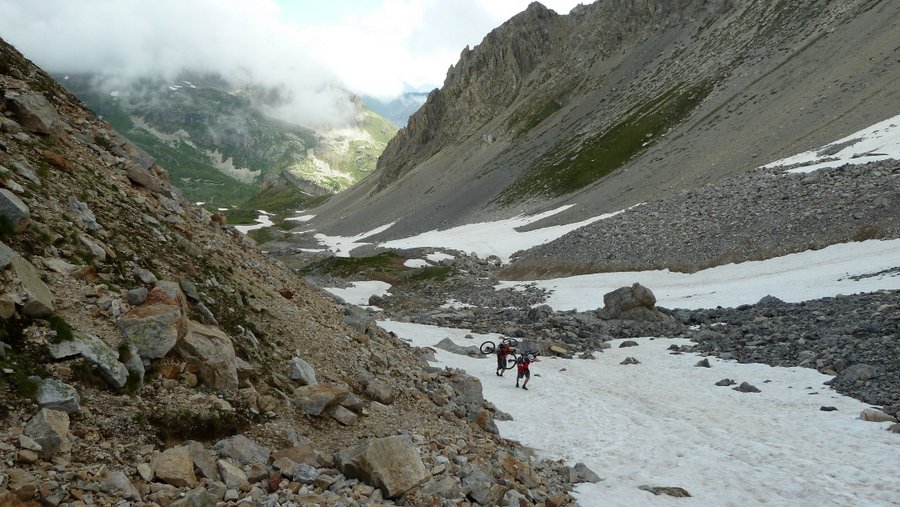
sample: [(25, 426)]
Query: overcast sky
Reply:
[(373, 47)]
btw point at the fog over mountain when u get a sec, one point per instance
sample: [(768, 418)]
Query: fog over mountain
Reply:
[(122, 41)]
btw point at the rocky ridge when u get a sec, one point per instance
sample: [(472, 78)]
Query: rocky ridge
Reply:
[(150, 354), (623, 102)]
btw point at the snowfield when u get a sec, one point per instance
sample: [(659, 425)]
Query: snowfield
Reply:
[(664, 422)]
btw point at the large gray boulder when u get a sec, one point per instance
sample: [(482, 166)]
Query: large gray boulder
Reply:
[(314, 399), (174, 466), (155, 326), (50, 429), (212, 350), (57, 395), (33, 111), (392, 464), (631, 303), (40, 299), (96, 352), (14, 210), (243, 450), (302, 372)]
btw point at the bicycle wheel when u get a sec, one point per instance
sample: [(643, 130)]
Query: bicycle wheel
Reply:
[(510, 361), (488, 347), (511, 341)]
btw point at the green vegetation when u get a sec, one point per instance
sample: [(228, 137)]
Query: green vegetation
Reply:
[(571, 165), (61, 327), (183, 425), (386, 267)]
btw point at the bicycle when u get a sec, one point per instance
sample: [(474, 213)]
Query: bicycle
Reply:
[(490, 347)]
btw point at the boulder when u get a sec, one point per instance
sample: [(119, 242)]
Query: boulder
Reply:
[(14, 210), (342, 415), (302, 372), (392, 464), (301, 454), (96, 352), (212, 352), (203, 461), (50, 429), (83, 213), (857, 372), (57, 395), (26, 171), (469, 390), (6, 255), (33, 112), (632, 303), (243, 450), (93, 247), (380, 391), (875, 415), (232, 476), (451, 346), (156, 326), (314, 399), (174, 466), (117, 483), (142, 176), (40, 299)]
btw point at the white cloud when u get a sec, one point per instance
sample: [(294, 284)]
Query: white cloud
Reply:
[(375, 52)]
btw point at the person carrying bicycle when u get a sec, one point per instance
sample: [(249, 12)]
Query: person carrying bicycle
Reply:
[(502, 353), (522, 366)]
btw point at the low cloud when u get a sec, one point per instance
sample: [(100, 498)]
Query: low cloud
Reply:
[(380, 52), (244, 41)]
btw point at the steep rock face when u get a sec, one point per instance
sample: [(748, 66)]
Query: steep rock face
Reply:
[(484, 82), (621, 102)]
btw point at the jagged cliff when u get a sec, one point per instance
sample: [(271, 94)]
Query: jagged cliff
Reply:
[(149, 353), (623, 101)]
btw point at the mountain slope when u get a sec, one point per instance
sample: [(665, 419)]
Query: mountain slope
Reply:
[(620, 102), (220, 144)]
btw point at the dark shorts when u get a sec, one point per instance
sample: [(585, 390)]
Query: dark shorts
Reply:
[(501, 362), (524, 374)]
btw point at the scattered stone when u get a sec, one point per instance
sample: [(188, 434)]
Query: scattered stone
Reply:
[(392, 464), (746, 388), (703, 363), (50, 429), (630, 360), (666, 490), (33, 112), (302, 372), (136, 296), (57, 395), (212, 352), (232, 476), (314, 399), (174, 466), (726, 382), (628, 343), (83, 213), (243, 450), (40, 299), (827, 409), (96, 352), (380, 391), (155, 326), (632, 303), (22, 484), (585, 474), (342, 415), (857, 372), (875, 415)]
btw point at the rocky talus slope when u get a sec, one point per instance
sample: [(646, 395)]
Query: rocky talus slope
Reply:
[(761, 214), (150, 355)]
